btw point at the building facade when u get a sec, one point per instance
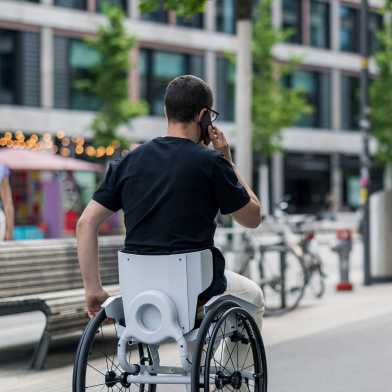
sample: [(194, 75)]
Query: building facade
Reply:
[(42, 53)]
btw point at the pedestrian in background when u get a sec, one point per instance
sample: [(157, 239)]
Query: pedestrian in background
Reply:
[(7, 206)]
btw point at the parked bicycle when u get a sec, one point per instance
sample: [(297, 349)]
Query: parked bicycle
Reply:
[(290, 266)]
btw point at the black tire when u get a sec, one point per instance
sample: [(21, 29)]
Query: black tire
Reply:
[(92, 377), (230, 375), (272, 286), (200, 346)]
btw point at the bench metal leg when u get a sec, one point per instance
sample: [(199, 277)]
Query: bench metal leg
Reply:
[(41, 351)]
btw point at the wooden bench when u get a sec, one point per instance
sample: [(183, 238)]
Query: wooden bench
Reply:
[(44, 276)]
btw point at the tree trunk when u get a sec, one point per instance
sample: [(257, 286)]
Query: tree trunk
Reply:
[(243, 108)]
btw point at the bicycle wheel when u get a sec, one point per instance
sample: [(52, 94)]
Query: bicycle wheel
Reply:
[(235, 358), (283, 285), (316, 276), (96, 367)]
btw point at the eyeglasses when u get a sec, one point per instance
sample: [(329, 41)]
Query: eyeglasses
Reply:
[(214, 114)]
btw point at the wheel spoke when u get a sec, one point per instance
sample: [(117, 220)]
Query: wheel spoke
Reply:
[(246, 357), (93, 367), (93, 386)]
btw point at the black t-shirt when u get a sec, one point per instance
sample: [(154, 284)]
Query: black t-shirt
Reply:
[(171, 190)]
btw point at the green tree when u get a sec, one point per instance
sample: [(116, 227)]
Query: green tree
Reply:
[(182, 7), (109, 81), (274, 105), (381, 93)]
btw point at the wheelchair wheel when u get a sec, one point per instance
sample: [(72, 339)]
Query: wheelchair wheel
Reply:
[(228, 358), (96, 367)]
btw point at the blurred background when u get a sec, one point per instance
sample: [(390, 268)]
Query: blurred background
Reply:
[(43, 53)]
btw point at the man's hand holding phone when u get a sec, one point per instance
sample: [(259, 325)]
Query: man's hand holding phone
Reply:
[(219, 142)]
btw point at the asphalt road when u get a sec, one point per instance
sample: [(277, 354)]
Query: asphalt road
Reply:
[(353, 358)]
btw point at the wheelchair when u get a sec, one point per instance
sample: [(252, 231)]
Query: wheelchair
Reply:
[(219, 343)]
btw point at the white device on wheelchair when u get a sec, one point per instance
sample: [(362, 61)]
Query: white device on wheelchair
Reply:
[(158, 302)]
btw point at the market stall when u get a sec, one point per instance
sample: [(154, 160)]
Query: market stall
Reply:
[(48, 191)]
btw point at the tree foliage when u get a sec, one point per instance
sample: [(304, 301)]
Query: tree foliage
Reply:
[(109, 81), (274, 105), (381, 92), (182, 7)]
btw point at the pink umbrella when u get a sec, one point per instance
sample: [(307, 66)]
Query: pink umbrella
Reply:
[(18, 159)]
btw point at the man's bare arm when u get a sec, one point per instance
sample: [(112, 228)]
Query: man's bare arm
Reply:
[(250, 214), (87, 238), (6, 197)]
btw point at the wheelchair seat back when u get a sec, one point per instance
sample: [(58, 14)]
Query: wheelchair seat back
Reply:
[(160, 293)]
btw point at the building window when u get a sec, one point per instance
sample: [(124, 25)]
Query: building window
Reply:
[(375, 25), (73, 62), (157, 68), (307, 182), (349, 29), (292, 20), (316, 89), (119, 3), (226, 16), (77, 4), (350, 167), (8, 76), (319, 24), (197, 21), (350, 93), (225, 89), (19, 68), (160, 15)]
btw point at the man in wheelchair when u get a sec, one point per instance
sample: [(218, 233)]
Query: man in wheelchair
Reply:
[(171, 190)]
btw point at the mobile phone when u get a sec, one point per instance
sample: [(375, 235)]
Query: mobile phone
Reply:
[(204, 124)]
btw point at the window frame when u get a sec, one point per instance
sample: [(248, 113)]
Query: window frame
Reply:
[(149, 76)]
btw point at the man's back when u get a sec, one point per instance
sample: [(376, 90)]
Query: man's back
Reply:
[(170, 190)]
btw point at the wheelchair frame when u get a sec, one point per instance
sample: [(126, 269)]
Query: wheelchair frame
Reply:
[(155, 311), (157, 374)]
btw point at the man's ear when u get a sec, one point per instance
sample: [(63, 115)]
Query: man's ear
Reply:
[(201, 114)]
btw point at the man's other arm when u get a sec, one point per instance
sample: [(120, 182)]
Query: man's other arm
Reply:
[(87, 239), (250, 214)]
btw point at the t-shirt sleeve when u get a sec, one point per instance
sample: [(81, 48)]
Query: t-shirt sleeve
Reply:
[(229, 192), (108, 193)]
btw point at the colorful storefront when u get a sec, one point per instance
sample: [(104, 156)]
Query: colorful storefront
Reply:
[(49, 193)]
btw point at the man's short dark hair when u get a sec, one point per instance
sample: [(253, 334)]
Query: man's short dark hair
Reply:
[(185, 97)]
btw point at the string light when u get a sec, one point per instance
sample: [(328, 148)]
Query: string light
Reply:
[(47, 137), (90, 151), (109, 151), (79, 150), (67, 144), (65, 152)]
